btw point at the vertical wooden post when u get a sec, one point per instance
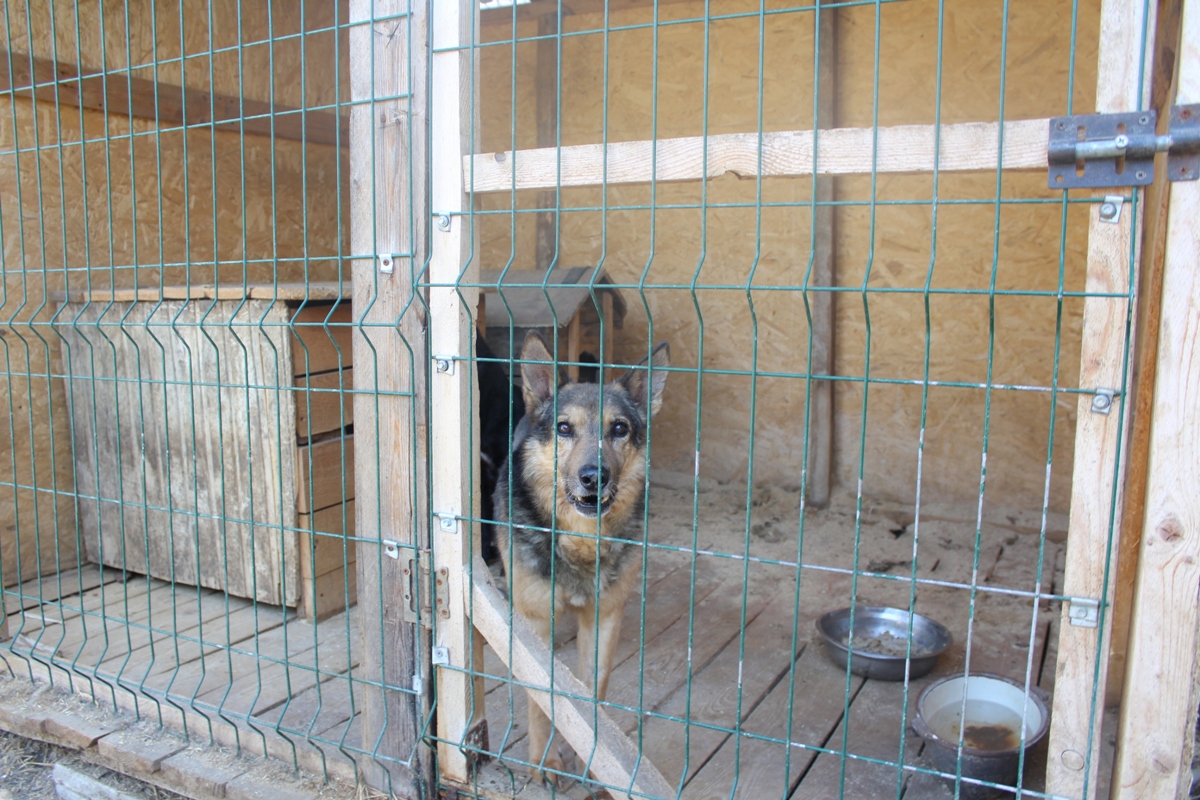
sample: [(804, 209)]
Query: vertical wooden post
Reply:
[(1158, 711), (546, 86), (1166, 52), (1097, 495), (454, 118), (824, 273), (388, 229)]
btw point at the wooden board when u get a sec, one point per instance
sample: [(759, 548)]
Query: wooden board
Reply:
[(389, 210), (1157, 727), (310, 292), (163, 419), (325, 565), (964, 146), (325, 473), (324, 402), (126, 95), (321, 338), (1097, 491)]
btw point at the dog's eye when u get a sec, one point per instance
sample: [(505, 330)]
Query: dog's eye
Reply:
[(564, 429), (620, 428)]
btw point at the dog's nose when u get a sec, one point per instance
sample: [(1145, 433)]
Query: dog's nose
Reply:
[(593, 479)]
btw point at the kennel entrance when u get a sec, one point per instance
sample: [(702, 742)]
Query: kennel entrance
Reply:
[(720, 691)]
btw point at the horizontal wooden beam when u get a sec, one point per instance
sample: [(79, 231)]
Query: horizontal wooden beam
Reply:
[(544, 8), (968, 146), (121, 94), (613, 758)]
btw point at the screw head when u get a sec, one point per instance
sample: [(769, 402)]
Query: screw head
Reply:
[(1141, 174), (1108, 210), (1122, 141), (1099, 401), (1144, 119), (443, 222)]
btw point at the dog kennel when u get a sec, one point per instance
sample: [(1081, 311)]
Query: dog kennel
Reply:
[(931, 324)]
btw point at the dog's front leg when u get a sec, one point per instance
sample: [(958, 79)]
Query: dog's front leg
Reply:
[(543, 750)]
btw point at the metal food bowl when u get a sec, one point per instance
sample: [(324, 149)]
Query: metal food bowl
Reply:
[(929, 640), (997, 708)]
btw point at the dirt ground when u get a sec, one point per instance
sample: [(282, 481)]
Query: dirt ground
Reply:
[(26, 766)]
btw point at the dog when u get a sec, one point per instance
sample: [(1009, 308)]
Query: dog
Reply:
[(577, 466)]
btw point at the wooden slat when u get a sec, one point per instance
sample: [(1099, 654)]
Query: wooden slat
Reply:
[(964, 146), (327, 552), (312, 292), (327, 486), (1097, 491), (454, 395), (615, 761), (164, 418), (1149, 305), (388, 212), (324, 403), (322, 339), (1157, 727), (119, 93)]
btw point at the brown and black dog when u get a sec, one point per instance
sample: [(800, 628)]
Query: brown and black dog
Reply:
[(574, 492)]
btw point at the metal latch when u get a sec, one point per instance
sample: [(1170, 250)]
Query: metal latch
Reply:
[(1097, 150)]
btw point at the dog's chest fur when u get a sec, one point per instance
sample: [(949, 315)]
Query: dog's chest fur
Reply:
[(572, 559)]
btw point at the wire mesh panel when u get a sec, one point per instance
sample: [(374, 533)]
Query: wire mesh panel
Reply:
[(881, 408), (183, 531)]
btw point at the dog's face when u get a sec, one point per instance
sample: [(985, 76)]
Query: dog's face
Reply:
[(587, 447)]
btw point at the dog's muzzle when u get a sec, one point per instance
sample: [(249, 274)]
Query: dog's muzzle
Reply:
[(595, 491)]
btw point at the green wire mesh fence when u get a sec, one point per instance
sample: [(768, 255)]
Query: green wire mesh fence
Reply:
[(266, 353)]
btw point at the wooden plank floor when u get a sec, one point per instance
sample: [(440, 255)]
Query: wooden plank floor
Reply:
[(718, 674)]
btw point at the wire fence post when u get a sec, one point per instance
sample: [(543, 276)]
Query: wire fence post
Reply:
[(389, 218), (1097, 496), (454, 436), (1156, 741)]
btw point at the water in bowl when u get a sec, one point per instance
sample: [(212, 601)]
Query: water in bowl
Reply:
[(990, 726)]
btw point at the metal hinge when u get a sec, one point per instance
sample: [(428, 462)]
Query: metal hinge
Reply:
[(415, 570), (1096, 150)]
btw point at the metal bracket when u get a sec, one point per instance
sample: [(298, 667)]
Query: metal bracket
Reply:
[(448, 522), (441, 656), (391, 549), (444, 364), (1183, 158), (1084, 612), (386, 264), (417, 608), (1102, 401), (1095, 150), (1110, 209)]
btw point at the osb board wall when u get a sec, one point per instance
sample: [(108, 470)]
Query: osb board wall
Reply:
[(87, 204), (746, 252)]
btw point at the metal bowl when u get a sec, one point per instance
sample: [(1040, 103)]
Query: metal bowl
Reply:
[(930, 640)]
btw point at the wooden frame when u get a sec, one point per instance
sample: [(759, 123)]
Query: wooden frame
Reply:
[(1097, 496), (453, 391), (1157, 728), (389, 217)]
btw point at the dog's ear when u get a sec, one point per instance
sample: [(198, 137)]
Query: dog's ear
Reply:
[(538, 380), (647, 379)]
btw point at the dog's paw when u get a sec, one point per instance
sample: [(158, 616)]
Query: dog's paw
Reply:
[(549, 772)]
